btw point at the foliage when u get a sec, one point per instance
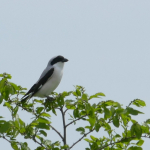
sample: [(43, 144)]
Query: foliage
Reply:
[(106, 115)]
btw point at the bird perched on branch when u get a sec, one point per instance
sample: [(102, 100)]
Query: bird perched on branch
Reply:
[(49, 79)]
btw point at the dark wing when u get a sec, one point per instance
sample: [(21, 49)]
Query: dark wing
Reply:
[(38, 85)]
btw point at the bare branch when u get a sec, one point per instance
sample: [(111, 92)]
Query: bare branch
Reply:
[(81, 138), (34, 139), (6, 139), (75, 120), (121, 141), (64, 125), (65, 111), (57, 132)]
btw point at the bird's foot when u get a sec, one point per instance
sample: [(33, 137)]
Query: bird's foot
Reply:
[(51, 99)]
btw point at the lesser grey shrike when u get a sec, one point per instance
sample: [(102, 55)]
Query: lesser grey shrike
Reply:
[(49, 79)]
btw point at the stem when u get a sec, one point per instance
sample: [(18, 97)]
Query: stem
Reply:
[(75, 120), (81, 138), (64, 125), (34, 139), (121, 141), (57, 132), (65, 111), (6, 139)]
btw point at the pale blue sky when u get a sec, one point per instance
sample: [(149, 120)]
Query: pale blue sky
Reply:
[(107, 44)]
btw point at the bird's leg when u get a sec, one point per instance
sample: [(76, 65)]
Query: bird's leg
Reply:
[(50, 98)]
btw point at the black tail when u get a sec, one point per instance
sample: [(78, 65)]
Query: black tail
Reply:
[(25, 99)]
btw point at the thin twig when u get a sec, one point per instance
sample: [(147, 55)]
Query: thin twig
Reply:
[(6, 139), (130, 104), (81, 138), (65, 111), (121, 141), (57, 132), (64, 125), (37, 141), (75, 120)]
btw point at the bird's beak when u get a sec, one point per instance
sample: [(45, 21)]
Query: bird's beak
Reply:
[(65, 60)]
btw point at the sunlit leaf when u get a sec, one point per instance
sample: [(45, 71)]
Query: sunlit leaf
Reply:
[(140, 142), (81, 129), (84, 96), (139, 103), (43, 132), (14, 146), (134, 148), (133, 111), (43, 120), (106, 113), (78, 92), (4, 127), (116, 121), (43, 126)]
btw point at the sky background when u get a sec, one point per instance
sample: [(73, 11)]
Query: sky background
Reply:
[(107, 44)]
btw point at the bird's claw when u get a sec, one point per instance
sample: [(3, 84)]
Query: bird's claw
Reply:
[(51, 99)]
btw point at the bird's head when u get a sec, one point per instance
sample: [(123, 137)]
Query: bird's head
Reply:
[(57, 59)]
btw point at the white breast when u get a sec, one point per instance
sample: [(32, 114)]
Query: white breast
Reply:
[(53, 81)]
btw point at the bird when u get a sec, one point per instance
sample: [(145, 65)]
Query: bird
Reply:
[(49, 79)]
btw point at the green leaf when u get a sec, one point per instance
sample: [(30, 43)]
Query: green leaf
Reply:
[(76, 113), (93, 138), (43, 126), (2, 84), (97, 127), (132, 130), (148, 121), (70, 106), (81, 129), (116, 121), (112, 109), (92, 112), (15, 110), (145, 129), (44, 114), (78, 92), (24, 146), (43, 132), (140, 142), (1, 99), (133, 111), (42, 120), (39, 110), (64, 94), (89, 141), (133, 121), (5, 75), (106, 113), (40, 148), (84, 96), (60, 100), (65, 147), (97, 95), (137, 130), (14, 86), (8, 105), (134, 148), (87, 107), (139, 103), (4, 127), (91, 120), (109, 103), (125, 119), (14, 146), (38, 101)]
